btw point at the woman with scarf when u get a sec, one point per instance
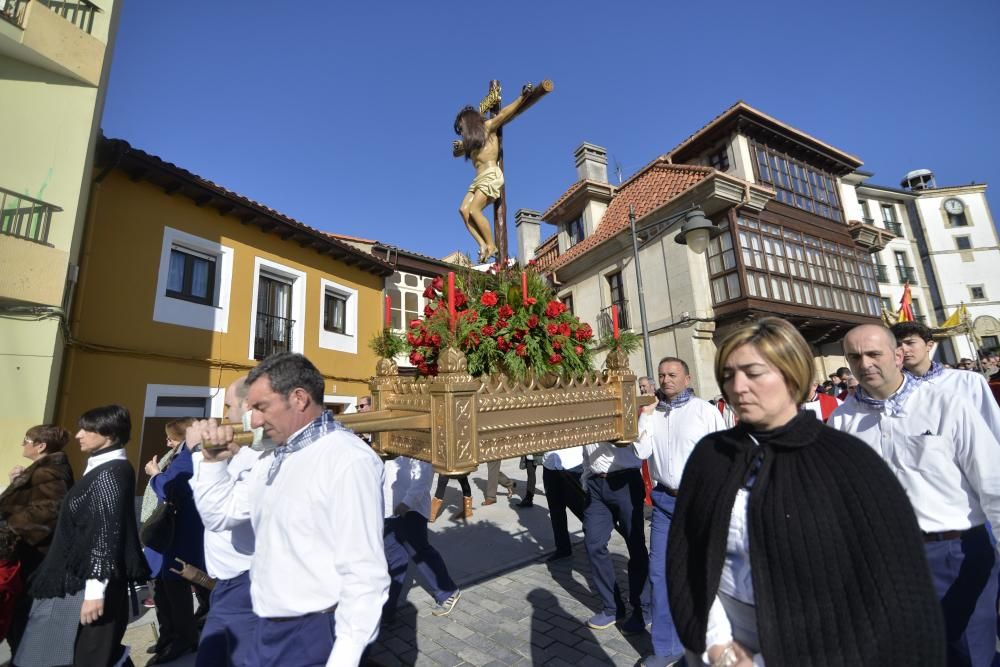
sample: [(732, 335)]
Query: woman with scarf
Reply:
[(793, 543), (80, 590)]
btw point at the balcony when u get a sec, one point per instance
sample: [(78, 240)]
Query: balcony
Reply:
[(33, 271), (881, 273), (605, 327), (907, 274), (273, 334), (53, 35), (894, 227)]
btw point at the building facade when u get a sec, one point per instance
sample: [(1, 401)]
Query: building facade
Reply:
[(54, 63), (184, 286)]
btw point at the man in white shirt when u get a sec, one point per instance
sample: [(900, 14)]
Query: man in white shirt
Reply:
[(319, 569), (561, 472), (230, 625), (615, 494), (668, 432), (948, 461), (917, 343), (407, 492), (822, 404)]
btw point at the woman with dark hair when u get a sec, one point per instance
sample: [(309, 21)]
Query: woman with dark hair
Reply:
[(168, 480), (793, 543), (80, 590), (29, 508)]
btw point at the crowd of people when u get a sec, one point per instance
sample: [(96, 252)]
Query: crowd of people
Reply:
[(791, 523)]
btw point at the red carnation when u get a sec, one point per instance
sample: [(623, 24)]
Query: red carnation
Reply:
[(416, 358), (554, 309), (584, 333), (428, 311), (470, 315), (460, 299), (521, 350), (438, 283), (553, 329), (564, 329), (556, 345), (555, 358), (502, 344), (532, 262), (424, 369), (488, 330), (488, 298), (519, 334), (429, 293), (501, 324), (533, 321), (415, 323), (505, 312), (432, 369), (578, 349), (412, 338), (530, 301), (472, 340), (435, 340)]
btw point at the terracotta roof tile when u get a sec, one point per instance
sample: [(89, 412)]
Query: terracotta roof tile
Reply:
[(573, 189), (649, 189)]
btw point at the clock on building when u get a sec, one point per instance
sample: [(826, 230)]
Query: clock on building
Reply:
[(954, 206)]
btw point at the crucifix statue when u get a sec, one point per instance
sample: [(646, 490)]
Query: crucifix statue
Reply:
[(482, 142)]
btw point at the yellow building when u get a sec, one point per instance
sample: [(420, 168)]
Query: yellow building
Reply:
[(184, 285), (54, 63)]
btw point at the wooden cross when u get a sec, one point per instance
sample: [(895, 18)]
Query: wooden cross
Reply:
[(489, 107)]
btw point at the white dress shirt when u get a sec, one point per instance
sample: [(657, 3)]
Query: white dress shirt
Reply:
[(940, 449), (318, 530), (974, 388), (229, 552), (93, 589), (603, 457), (668, 438), (570, 458), (408, 481)]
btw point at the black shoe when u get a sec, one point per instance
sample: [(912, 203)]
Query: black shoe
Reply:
[(527, 501), (558, 555), (171, 653), (158, 647)]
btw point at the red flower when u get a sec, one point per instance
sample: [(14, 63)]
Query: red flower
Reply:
[(505, 312), (460, 299), (424, 369), (488, 330), (429, 293), (555, 358), (521, 350), (470, 315), (438, 283), (564, 329), (436, 340), (530, 301), (501, 324), (554, 309), (415, 323), (584, 333), (428, 311), (532, 262), (519, 334), (556, 345), (502, 344), (553, 329), (533, 321), (416, 358), (432, 369), (472, 340), (578, 349), (412, 338), (488, 298)]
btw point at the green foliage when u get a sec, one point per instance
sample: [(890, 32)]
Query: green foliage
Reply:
[(387, 344), (627, 341)]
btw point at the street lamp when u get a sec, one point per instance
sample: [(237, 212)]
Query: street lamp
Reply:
[(696, 232)]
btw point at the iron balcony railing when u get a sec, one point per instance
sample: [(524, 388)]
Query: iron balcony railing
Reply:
[(604, 322), (894, 227), (25, 217), (78, 12), (273, 334), (868, 221), (881, 273), (907, 274)]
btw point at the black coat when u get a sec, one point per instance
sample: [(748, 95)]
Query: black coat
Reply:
[(837, 559)]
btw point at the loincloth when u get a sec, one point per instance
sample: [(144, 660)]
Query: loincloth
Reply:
[(489, 182)]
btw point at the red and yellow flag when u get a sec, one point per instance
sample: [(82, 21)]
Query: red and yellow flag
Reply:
[(905, 313)]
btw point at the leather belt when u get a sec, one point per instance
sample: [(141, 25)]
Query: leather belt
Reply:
[(945, 535), (283, 619), (666, 489), (614, 473)]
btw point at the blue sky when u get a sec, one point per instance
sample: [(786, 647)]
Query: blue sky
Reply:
[(340, 114)]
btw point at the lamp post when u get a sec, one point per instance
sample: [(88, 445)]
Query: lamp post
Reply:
[(696, 232)]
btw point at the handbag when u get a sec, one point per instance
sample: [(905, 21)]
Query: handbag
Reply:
[(157, 532)]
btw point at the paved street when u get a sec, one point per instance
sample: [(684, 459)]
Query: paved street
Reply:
[(515, 608)]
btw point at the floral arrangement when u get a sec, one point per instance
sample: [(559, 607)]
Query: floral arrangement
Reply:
[(506, 321)]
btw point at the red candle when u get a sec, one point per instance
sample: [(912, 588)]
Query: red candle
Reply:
[(524, 288), (614, 319), (388, 311), (451, 298)]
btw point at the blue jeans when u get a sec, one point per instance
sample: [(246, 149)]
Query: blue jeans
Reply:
[(304, 642), (965, 577), (405, 539), (666, 643), (228, 638), (616, 499)]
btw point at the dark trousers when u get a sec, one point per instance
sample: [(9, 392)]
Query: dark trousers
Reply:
[(666, 643), (563, 491), (19, 621), (303, 642), (616, 499), (463, 481), (493, 476), (100, 643), (229, 636), (965, 577), (529, 468), (175, 612), (405, 539)]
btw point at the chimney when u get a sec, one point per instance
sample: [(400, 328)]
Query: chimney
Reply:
[(529, 233), (591, 163)]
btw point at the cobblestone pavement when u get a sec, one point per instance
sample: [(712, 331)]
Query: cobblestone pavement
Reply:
[(534, 614)]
